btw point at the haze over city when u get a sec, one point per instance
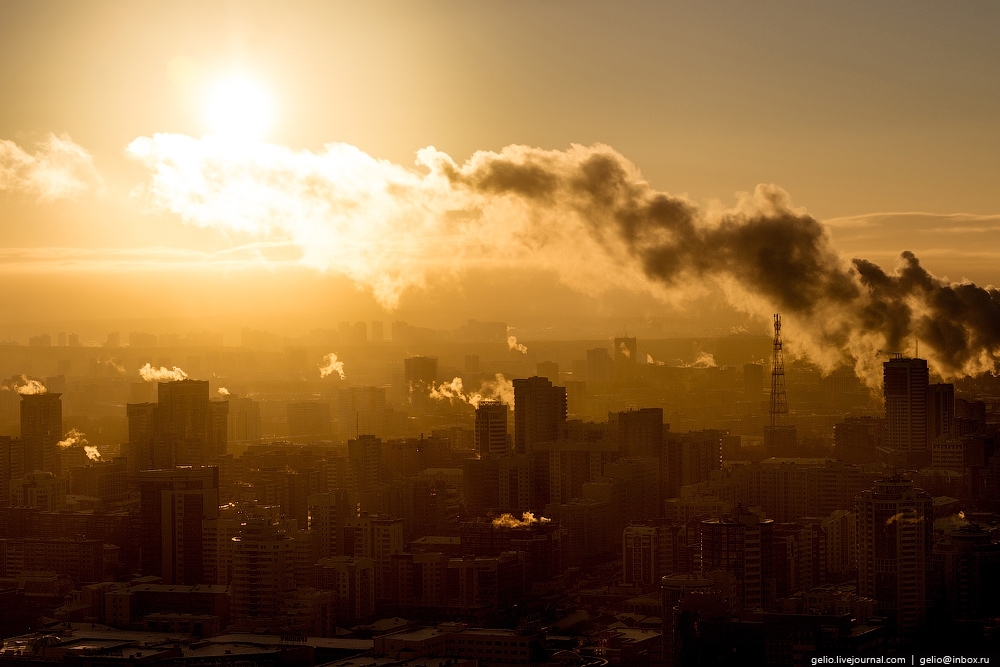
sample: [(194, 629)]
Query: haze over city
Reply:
[(473, 274)]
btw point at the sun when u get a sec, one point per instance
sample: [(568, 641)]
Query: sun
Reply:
[(238, 108)]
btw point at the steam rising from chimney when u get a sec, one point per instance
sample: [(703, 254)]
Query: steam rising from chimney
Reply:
[(75, 438), (497, 389), (222, 391), (331, 365), (586, 215), (507, 520), (150, 373), (514, 345), (29, 386)]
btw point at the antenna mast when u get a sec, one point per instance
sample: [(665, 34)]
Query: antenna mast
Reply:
[(779, 401)]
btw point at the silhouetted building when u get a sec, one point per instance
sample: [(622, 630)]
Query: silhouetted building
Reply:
[(940, 412), (539, 413), (966, 565), (41, 431), (895, 537), (309, 421), (742, 545), (174, 504), (640, 432), (905, 387), (491, 428)]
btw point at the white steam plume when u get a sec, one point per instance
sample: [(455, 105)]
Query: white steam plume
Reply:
[(507, 520), (654, 362), (514, 345), (28, 386), (150, 373), (704, 360), (623, 348), (222, 391), (584, 214), (58, 169), (75, 438), (331, 365), (497, 389)]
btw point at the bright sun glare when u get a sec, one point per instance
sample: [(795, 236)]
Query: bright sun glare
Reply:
[(238, 108)]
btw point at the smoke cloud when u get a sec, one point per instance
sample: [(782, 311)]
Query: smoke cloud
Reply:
[(150, 373), (332, 365), (58, 169), (222, 391), (704, 360), (75, 438), (26, 386), (514, 345), (497, 389), (507, 520), (586, 215)]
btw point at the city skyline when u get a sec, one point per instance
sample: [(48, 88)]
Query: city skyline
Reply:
[(139, 165)]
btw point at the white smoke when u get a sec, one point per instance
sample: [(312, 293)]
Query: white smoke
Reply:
[(222, 391), (114, 365), (623, 348), (58, 169), (331, 365), (497, 389), (654, 362), (28, 386), (507, 520), (514, 345), (150, 373), (704, 360), (75, 438)]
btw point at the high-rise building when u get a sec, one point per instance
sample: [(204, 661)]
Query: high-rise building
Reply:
[(11, 465), (539, 414), (753, 383), (491, 428), (360, 411), (905, 387), (377, 537), (309, 421), (742, 545), (895, 537), (640, 432), (940, 412), (599, 366), (967, 573), (244, 421), (184, 418), (262, 573), (41, 431), (419, 374), (175, 504)]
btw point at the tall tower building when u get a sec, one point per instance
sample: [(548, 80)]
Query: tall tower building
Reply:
[(742, 545), (41, 431), (640, 432), (539, 414), (174, 504), (905, 387), (420, 374), (184, 417), (940, 412), (262, 573), (491, 428), (895, 538)]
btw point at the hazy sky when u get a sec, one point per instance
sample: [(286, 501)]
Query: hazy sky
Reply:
[(880, 118)]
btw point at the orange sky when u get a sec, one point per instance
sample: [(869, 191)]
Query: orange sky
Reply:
[(880, 120)]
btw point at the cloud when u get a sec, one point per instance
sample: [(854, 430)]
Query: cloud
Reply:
[(586, 215), (331, 365), (58, 169), (150, 373)]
